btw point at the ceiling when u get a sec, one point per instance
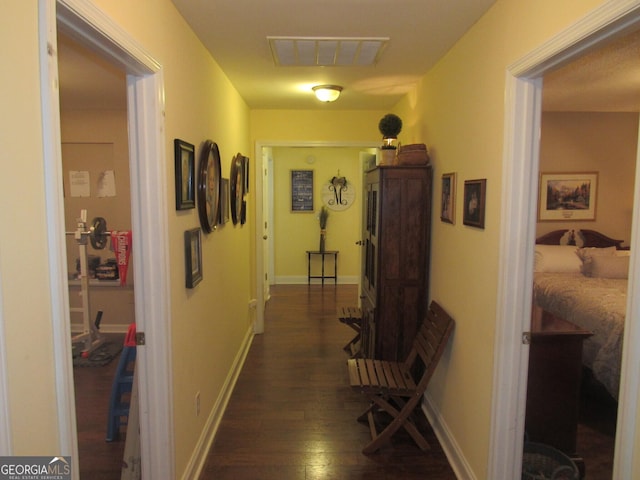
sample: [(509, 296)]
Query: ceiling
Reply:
[(88, 81), (419, 31), (236, 34), (604, 80)]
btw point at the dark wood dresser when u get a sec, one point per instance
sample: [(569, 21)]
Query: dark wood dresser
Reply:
[(553, 388)]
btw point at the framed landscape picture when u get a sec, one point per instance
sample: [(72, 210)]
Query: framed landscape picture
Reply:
[(568, 196)]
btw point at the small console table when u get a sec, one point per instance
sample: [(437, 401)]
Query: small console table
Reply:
[(310, 253)]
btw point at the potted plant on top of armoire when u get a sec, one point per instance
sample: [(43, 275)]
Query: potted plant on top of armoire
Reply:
[(390, 126)]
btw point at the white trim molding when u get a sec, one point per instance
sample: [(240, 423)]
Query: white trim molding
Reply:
[(56, 249), (519, 193), (450, 447)]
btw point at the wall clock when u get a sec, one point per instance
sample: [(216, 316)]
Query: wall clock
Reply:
[(209, 186), (338, 194)]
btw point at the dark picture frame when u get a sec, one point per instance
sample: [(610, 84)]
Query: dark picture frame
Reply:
[(474, 202), (567, 196), (302, 191), (448, 198), (185, 168), (193, 257)]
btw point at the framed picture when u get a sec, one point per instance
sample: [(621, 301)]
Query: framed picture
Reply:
[(185, 158), (193, 256), (568, 196), (302, 191), (474, 198), (448, 206)]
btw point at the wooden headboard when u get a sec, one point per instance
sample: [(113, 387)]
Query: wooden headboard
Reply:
[(590, 238)]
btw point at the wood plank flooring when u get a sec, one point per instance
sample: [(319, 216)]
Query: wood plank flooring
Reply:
[(293, 415), (99, 460)]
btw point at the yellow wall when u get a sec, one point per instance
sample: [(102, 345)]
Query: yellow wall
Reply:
[(295, 232), (458, 110), (316, 125), (323, 126), (210, 321), (23, 249)]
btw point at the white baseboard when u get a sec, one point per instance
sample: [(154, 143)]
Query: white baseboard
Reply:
[(199, 456), (302, 280), (458, 463)]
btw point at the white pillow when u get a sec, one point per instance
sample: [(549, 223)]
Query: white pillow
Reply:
[(557, 258), (609, 267), (586, 254)]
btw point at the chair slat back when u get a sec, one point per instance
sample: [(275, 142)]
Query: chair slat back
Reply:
[(430, 342)]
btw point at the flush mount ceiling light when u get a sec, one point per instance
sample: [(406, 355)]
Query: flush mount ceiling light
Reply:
[(326, 51), (327, 93)]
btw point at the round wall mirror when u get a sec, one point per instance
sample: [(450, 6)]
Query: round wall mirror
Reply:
[(236, 184), (209, 186)]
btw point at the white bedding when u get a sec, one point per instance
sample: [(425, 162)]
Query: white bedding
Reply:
[(594, 304)]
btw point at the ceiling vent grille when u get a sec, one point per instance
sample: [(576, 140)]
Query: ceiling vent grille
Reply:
[(326, 51)]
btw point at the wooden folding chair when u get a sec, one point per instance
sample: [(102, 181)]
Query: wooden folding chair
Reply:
[(352, 317), (391, 386)]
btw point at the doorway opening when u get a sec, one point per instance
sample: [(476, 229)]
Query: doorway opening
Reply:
[(520, 182), (88, 26), (95, 157), (308, 157), (589, 123)]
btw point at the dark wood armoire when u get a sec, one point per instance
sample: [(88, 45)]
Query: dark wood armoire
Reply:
[(395, 267)]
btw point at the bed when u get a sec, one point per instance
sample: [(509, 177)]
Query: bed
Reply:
[(581, 276)]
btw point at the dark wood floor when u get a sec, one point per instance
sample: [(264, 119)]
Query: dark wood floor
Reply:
[(99, 460), (293, 416), (596, 430)]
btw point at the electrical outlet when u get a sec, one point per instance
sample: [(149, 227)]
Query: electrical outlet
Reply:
[(197, 403)]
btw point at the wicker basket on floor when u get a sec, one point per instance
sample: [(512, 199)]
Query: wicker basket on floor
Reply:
[(542, 462)]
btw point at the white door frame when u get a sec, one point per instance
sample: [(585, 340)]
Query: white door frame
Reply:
[(519, 193), (91, 27)]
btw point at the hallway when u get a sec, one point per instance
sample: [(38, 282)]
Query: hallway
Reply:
[(292, 415)]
